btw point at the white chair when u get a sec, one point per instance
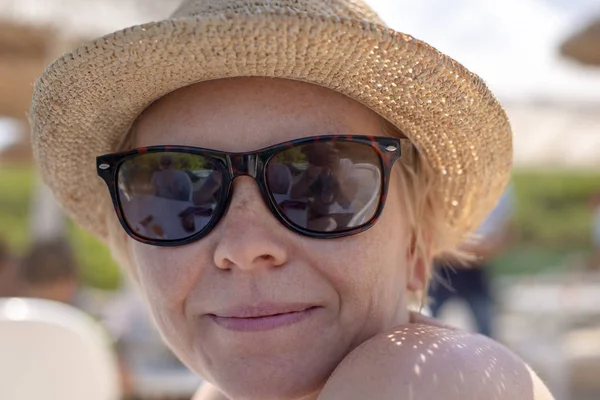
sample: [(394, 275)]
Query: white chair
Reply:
[(367, 197), (52, 351)]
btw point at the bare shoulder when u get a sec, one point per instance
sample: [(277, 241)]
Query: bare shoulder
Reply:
[(425, 360)]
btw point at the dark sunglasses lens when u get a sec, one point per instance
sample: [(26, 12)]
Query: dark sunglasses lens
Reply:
[(326, 186), (169, 195)]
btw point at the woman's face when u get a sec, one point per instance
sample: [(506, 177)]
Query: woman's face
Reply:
[(250, 264)]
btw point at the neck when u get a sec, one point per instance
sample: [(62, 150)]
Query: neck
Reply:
[(209, 392)]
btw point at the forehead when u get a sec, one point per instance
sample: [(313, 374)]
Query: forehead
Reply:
[(244, 114)]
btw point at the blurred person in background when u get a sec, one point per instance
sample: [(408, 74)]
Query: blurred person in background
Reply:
[(595, 206), (49, 271), (470, 281), (9, 277)]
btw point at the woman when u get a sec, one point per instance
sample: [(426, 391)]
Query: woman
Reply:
[(254, 301), (49, 271), (9, 273), (594, 263)]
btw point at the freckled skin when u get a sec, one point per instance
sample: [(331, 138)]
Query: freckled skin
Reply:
[(360, 282), (426, 360)]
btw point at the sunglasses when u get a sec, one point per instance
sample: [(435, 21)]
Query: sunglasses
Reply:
[(321, 187)]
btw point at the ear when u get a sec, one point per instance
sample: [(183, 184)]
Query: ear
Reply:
[(416, 281), (418, 262)]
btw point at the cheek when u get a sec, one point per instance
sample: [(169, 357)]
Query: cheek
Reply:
[(369, 270), (165, 275), (387, 241), (384, 247)]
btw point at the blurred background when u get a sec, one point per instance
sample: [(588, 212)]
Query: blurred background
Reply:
[(540, 57)]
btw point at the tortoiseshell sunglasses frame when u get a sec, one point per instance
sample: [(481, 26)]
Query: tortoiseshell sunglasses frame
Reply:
[(253, 164)]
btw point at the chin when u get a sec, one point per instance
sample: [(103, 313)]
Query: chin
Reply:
[(270, 377), (260, 387)]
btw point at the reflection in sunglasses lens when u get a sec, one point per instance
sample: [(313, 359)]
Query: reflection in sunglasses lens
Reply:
[(169, 196), (319, 186), (326, 186)]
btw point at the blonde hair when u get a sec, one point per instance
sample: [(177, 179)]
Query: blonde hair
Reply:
[(431, 237), (423, 208)]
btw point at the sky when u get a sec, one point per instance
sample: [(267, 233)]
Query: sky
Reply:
[(511, 44)]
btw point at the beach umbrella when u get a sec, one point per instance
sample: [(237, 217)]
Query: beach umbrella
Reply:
[(584, 46)]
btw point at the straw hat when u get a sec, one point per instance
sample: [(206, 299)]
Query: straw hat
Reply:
[(86, 101)]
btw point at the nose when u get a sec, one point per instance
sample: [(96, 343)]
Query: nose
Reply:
[(249, 235)]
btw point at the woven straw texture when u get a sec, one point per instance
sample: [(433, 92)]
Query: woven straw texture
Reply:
[(85, 102)]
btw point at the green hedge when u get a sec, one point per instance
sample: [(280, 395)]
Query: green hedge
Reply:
[(552, 223), (16, 185), (553, 208)]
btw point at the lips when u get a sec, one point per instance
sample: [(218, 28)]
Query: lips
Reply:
[(263, 317), (262, 310)]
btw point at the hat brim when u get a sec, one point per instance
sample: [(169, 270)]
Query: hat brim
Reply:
[(85, 102)]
